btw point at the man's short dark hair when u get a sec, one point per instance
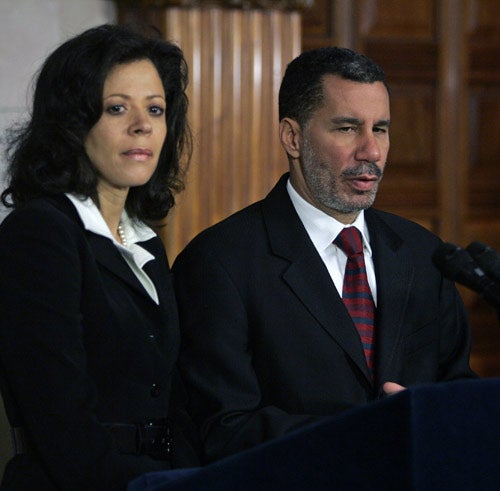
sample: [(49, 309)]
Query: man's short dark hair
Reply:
[(301, 90)]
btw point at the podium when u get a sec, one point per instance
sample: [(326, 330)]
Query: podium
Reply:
[(443, 436)]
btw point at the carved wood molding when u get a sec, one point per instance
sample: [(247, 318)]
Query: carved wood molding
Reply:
[(237, 4)]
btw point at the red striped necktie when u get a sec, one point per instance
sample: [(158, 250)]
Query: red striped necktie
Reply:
[(356, 292)]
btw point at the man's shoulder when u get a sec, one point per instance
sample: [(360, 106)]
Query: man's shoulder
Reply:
[(251, 219), (236, 227)]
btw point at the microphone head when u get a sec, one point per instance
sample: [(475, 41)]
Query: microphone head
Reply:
[(487, 258), (451, 260), (456, 264), (476, 248)]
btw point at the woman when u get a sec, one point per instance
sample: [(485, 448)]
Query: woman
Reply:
[(88, 324)]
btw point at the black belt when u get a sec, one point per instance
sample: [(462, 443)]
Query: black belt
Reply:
[(152, 438)]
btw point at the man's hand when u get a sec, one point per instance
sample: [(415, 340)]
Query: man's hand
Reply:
[(391, 388)]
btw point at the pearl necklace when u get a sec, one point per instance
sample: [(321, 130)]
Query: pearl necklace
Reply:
[(121, 234)]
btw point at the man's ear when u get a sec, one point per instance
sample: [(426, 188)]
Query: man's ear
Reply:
[(290, 137)]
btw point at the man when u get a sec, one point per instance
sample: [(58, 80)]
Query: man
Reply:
[(269, 342)]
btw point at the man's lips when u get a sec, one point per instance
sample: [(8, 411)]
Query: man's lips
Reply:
[(139, 154), (363, 182)]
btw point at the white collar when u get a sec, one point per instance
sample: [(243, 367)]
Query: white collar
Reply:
[(135, 230), (322, 228)]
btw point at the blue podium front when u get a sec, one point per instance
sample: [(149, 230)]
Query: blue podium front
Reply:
[(443, 436)]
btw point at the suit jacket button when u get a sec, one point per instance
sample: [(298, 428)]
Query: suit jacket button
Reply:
[(155, 390)]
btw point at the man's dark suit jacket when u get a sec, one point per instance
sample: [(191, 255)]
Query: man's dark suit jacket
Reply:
[(267, 344), (81, 344)]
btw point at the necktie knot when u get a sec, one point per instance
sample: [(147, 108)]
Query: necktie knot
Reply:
[(350, 241)]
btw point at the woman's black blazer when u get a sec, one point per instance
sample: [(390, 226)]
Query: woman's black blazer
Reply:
[(82, 344)]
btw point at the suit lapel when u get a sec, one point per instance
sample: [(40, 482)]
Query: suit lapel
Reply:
[(106, 254), (108, 257), (394, 273), (313, 286), (158, 270), (307, 275)]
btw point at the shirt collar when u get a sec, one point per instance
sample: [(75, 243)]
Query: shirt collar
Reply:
[(322, 228), (135, 230)]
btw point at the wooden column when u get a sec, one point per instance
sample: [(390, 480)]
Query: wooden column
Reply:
[(452, 144), (236, 59)]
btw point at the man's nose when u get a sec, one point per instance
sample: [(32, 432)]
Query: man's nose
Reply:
[(369, 148)]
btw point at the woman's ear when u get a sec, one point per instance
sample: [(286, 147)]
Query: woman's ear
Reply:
[(290, 137)]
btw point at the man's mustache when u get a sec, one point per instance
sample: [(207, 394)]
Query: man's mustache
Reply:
[(369, 168)]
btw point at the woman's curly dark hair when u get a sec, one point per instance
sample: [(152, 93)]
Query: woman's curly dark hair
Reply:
[(47, 156)]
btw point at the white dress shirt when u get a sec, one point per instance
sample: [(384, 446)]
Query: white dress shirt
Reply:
[(135, 231), (322, 230)]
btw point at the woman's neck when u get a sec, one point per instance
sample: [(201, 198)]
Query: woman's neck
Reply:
[(111, 206)]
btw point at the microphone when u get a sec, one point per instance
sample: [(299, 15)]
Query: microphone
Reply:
[(487, 258), (457, 264)]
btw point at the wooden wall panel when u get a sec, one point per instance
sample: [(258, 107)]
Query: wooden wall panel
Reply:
[(484, 153), (401, 36), (483, 37), (319, 23), (409, 187), (397, 20), (236, 60), (482, 221)]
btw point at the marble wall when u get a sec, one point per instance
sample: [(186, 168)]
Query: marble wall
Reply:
[(29, 31)]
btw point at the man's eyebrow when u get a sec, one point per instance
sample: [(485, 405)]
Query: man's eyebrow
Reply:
[(359, 122), (346, 120)]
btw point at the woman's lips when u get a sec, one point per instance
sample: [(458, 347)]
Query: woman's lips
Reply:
[(139, 154)]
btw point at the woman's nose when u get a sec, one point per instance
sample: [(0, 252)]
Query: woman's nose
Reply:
[(140, 124)]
